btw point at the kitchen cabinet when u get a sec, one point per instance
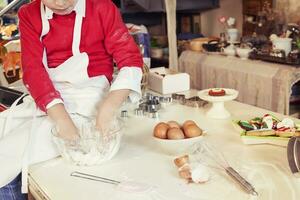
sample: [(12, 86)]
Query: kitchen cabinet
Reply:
[(251, 9)]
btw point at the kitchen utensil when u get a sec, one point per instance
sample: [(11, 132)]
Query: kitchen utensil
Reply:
[(153, 114), (293, 154), (165, 99), (94, 178), (194, 101), (207, 154), (139, 112), (152, 105), (126, 186), (124, 113)]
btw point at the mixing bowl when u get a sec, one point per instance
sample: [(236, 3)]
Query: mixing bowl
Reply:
[(92, 147)]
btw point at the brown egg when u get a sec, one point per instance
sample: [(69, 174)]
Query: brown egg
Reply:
[(173, 124), (186, 174), (191, 131), (175, 134), (188, 122), (180, 161), (160, 130)]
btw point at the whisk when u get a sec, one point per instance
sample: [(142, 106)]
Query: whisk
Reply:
[(219, 162), (127, 186)]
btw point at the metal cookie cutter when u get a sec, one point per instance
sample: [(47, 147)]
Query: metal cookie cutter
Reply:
[(165, 99), (124, 113), (195, 102), (153, 114), (150, 105), (192, 102), (180, 98), (139, 112)]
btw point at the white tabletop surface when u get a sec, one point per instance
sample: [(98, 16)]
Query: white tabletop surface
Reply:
[(139, 159)]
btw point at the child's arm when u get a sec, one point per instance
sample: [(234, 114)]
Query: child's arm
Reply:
[(126, 54), (35, 76), (109, 108), (66, 127)]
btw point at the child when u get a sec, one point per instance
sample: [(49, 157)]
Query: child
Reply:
[(68, 47)]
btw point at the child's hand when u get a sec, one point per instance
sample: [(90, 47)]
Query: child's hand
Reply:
[(65, 126), (105, 116), (108, 109), (67, 130)]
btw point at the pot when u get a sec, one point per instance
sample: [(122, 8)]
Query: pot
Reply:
[(282, 44)]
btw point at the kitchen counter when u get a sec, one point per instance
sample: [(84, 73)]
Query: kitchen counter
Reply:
[(139, 159), (262, 84)]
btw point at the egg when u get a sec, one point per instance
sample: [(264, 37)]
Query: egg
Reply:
[(186, 174), (173, 124), (175, 134), (192, 130), (188, 122), (199, 173), (160, 130), (180, 161)]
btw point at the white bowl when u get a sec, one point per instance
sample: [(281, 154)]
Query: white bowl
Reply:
[(243, 53), (177, 147)]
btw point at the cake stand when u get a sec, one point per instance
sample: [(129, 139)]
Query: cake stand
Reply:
[(218, 110)]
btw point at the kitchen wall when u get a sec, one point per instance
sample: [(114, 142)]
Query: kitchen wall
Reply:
[(210, 25), (291, 9)]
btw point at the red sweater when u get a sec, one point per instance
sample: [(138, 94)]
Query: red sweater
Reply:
[(104, 37)]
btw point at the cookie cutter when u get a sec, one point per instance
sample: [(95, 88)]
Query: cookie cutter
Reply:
[(139, 112), (124, 113), (194, 101), (153, 114)]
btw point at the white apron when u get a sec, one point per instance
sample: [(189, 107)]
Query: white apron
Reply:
[(25, 131)]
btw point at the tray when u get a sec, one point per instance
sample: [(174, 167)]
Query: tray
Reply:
[(257, 55), (267, 57), (273, 140)]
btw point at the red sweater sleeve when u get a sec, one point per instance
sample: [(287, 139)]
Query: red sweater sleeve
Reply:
[(118, 42), (35, 76)]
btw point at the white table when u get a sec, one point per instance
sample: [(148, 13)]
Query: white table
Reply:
[(140, 160)]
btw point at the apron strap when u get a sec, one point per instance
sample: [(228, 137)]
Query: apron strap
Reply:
[(45, 22), (27, 152), (77, 35)]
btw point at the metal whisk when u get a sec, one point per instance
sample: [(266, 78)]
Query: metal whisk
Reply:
[(220, 162), (94, 178)]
